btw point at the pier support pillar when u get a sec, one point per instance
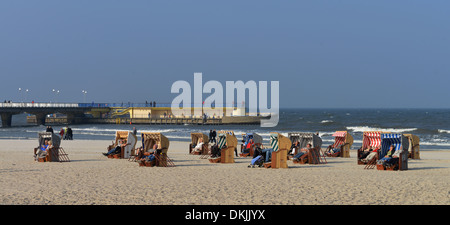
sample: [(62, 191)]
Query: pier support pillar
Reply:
[(71, 117), (6, 119), (40, 118)]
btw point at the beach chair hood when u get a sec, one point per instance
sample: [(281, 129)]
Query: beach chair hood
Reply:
[(371, 138), (227, 139), (279, 142), (305, 138), (257, 139), (196, 136), (151, 138), (341, 138), (121, 134), (56, 140)]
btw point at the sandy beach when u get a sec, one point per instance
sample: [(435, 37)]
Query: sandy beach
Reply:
[(92, 179)]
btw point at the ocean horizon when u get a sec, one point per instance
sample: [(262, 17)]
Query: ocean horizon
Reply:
[(431, 125)]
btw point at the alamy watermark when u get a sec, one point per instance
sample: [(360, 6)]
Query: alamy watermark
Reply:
[(185, 105)]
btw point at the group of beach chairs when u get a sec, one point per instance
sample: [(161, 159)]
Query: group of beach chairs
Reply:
[(373, 152), (381, 150), (276, 155), (153, 151), (388, 151)]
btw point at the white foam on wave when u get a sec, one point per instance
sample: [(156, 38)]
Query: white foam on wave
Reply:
[(434, 143), (444, 131), (327, 121), (392, 130), (94, 129)]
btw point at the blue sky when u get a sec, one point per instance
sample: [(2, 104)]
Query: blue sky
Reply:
[(323, 53)]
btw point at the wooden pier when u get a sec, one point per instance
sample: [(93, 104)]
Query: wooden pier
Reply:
[(157, 121)]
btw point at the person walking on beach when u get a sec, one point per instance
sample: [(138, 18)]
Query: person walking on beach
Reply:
[(214, 136), (69, 133)]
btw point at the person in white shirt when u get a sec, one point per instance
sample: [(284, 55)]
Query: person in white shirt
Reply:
[(198, 147)]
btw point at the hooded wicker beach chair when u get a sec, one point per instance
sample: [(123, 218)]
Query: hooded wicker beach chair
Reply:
[(315, 155), (280, 145), (342, 140), (127, 151), (149, 139), (54, 154), (227, 143), (371, 139), (195, 137), (257, 141), (414, 146), (401, 144)]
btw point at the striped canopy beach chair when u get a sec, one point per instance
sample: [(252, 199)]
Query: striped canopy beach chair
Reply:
[(304, 138), (257, 141), (414, 146), (280, 145), (401, 143), (370, 139), (342, 139), (227, 143)]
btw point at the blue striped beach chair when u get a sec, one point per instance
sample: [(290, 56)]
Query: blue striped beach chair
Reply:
[(401, 143)]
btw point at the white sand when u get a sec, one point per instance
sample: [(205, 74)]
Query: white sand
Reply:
[(91, 178)]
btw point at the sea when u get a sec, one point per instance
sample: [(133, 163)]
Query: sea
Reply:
[(431, 125)]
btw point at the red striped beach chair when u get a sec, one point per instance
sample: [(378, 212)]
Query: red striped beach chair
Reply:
[(342, 140), (370, 139)]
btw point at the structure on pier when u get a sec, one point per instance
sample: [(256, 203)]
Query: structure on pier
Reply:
[(120, 114)]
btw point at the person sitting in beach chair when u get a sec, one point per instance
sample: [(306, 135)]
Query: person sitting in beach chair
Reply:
[(391, 157), (332, 150), (248, 146), (215, 151), (117, 149), (268, 154), (366, 158), (303, 153), (198, 147), (42, 151), (149, 156), (364, 153), (295, 147), (265, 152)]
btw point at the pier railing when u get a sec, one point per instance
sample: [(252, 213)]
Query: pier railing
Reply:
[(38, 105), (92, 105)]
